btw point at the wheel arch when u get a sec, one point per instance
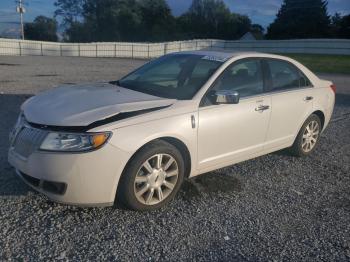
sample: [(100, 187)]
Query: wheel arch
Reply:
[(321, 115), (178, 144), (318, 113), (181, 146)]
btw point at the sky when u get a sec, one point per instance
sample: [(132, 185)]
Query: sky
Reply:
[(260, 11)]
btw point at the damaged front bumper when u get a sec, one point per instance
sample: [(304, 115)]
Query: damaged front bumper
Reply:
[(84, 179)]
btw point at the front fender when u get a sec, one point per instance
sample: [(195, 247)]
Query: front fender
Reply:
[(132, 138)]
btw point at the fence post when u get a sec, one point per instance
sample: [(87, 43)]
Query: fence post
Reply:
[(20, 48), (79, 50), (132, 50), (211, 44), (180, 48), (196, 44), (41, 49), (115, 50), (165, 44), (60, 49), (148, 50), (96, 50)]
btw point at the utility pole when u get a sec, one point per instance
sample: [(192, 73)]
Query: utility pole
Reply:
[(21, 10)]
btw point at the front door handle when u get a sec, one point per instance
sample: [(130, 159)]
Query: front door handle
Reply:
[(308, 98), (262, 108)]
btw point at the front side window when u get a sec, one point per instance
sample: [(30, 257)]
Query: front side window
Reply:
[(285, 76), (245, 77), (174, 76)]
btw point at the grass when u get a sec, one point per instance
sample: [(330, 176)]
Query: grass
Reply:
[(335, 64)]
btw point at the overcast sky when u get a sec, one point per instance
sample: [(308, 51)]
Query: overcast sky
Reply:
[(260, 11)]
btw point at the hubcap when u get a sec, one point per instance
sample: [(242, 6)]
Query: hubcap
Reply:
[(310, 136), (156, 179)]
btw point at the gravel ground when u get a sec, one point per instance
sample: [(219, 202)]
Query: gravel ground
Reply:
[(275, 207)]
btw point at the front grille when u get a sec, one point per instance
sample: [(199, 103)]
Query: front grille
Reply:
[(28, 140)]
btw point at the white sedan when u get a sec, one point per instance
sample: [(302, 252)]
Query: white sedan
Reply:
[(136, 139)]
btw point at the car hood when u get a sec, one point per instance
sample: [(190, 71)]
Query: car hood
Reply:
[(82, 105)]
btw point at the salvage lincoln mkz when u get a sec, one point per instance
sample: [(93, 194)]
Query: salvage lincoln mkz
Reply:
[(179, 116)]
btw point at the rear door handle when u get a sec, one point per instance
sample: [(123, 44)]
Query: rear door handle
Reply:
[(262, 108), (308, 98)]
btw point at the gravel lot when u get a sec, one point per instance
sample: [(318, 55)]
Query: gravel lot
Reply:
[(275, 207)]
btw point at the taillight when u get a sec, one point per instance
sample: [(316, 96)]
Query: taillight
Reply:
[(334, 88)]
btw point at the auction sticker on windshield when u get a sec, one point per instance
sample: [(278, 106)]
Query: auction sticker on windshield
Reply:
[(215, 58)]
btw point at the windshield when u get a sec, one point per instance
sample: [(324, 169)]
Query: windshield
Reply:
[(172, 76)]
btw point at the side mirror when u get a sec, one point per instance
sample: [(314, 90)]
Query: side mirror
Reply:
[(226, 97)]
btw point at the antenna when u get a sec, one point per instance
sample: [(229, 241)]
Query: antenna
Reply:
[(21, 10)]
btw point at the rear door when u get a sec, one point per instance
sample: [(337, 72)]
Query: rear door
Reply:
[(291, 99)]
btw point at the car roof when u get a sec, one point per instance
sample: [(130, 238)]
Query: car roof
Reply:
[(222, 54)]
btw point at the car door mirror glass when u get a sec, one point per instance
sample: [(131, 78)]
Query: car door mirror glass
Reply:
[(225, 97)]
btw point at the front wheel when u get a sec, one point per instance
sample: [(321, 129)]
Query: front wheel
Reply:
[(152, 177), (307, 137)]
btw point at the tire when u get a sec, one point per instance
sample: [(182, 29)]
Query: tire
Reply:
[(305, 142), (140, 179)]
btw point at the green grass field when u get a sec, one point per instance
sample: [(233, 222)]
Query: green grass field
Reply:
[(338, 64)]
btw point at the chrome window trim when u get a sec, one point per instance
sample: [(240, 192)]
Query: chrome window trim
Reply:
[(264, 94), (278, 92), (292, 89)]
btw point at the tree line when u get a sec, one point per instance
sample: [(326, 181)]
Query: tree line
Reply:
[(152, 21)]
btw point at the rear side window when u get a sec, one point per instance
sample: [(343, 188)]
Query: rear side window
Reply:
[(284, 75)]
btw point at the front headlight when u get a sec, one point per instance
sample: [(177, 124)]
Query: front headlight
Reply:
[(74, 142)]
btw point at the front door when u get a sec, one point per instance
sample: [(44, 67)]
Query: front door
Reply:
[(234, 132)]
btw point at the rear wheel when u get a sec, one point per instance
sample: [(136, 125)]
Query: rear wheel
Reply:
[(152, 177), (307, 137)]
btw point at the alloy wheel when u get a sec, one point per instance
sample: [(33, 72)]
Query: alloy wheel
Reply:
[(156, 179), (310, 136)]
